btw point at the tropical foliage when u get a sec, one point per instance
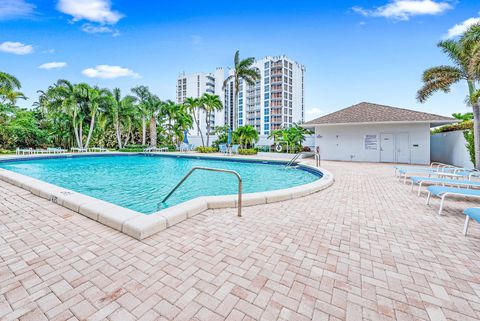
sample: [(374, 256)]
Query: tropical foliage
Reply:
[(464, 53), (79, 115), (294, 136)]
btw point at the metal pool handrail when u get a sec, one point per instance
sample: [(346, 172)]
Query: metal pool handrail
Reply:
[(211, 170), (316, 154)]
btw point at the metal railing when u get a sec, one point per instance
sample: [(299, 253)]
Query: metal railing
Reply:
[(239, 202), (316, 155)]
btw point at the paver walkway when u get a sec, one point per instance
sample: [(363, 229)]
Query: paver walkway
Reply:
[(365, 248)]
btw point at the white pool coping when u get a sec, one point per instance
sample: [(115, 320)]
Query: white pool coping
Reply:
[(141, 226)]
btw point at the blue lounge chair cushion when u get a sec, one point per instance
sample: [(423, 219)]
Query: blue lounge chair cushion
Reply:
[(439, 190), (417, 179), (473, 213)]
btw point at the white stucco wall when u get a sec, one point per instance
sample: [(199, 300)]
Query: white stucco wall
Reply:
[(450, 148), (347, 142)]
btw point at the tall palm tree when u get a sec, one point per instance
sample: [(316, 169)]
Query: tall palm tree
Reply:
[(210, 104), (242, 70), (9, 86), (465, 56), (142, 93), (96, 100), (154, 107), (193, 106), (119, 112)]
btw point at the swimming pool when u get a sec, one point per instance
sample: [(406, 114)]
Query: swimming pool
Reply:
[(140, 182)]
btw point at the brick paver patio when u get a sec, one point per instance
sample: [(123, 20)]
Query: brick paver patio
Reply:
[(365, 248)]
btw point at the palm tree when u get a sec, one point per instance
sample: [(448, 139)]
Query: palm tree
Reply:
[(8, 89), (242, 70), (170, 111), (183, 122), (96, 100), (245, 135), (465, 55), (119, 112), (193, 106), (154, 107), (210, 104), (142, 93)]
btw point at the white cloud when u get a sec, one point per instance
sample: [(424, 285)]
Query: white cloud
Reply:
[(99, 11), (89, 28), (460, 28), (11, 9), (53, 65), (404, 9), (313, 112), (109, 72), (16, 48)]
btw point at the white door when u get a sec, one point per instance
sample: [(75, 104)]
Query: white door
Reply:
[(387, 148), (402, 148)]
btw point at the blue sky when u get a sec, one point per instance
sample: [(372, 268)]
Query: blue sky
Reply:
[(353, 50)]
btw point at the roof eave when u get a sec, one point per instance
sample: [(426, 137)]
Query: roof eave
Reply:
[(433, 123)]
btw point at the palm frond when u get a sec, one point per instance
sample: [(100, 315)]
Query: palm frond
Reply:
[(440, 84)]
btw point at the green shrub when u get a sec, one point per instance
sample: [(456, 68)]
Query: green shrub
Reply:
[(6, 152), (250, 151), (204, 149), (468, 134)]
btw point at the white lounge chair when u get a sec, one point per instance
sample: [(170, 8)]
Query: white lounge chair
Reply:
[(155, 149), (97, 149), (222, 148), (471, 213), (234, 149), (443, 192), (79, 150), (442, 181)]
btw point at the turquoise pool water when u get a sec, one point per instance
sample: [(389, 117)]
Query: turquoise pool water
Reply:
[(140, 182)]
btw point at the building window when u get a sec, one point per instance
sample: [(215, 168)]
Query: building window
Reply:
[(267, 96), (267, 64), (266, 103), (267, 88), (266, 72), (266, 127), (266, 111), (267, 80)]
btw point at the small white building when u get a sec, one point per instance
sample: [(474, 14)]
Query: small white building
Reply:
[(368, 132)]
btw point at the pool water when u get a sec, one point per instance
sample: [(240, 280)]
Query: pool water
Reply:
[(140, 182)]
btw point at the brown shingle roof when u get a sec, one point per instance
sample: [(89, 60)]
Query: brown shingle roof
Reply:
[(374, 113)]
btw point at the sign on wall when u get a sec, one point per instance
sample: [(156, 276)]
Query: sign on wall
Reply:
[(371, 142)]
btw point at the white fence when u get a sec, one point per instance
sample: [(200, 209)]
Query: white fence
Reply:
[(450, 148), (262, 140)]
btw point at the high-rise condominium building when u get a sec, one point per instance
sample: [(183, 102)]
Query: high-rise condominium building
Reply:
[(194, 86), (275, 101)]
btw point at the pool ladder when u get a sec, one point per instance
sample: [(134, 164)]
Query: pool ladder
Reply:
[(317, 158), (210, 169)]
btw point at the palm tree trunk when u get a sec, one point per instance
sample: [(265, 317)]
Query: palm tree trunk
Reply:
[(75, 130), (129, 132), (80, 134), (144, 130), (476, 133), (197, 122), (90, 130), (207, 122), (119, 134), (235, 109), (153, 132)]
